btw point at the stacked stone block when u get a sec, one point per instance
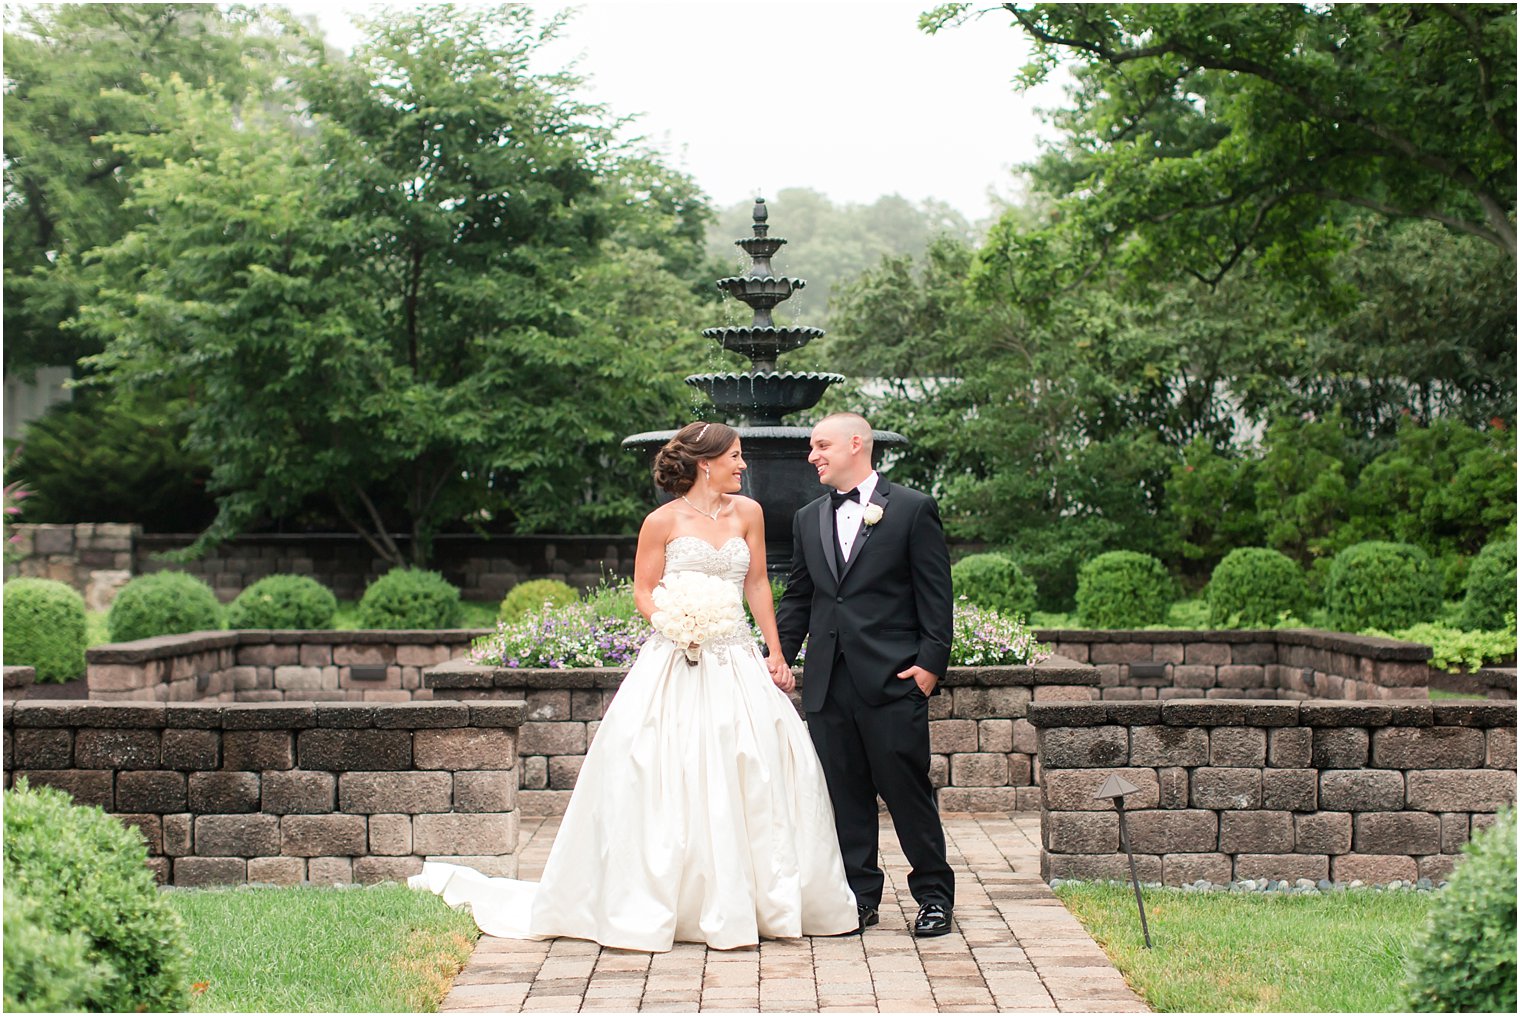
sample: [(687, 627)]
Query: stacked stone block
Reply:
[(982, 748), (484, 568), (1292, 664), (273, 666), (18, 681), (1247, 789), (285, 792), (96, 558)]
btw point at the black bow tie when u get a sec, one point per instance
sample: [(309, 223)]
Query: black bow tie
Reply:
[(836, 498)]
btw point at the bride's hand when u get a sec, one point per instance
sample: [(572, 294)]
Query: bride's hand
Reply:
[(781, 674)]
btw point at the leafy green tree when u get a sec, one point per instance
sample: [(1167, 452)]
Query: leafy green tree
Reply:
[(75, 73), (1212, 497), (419, 293), (1200, 132), (1430, 333), (104, 457), (1446, 488)]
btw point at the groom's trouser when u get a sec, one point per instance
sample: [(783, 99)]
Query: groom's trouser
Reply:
[(883, 749)]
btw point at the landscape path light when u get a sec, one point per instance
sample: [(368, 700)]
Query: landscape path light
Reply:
[(1114, 788)]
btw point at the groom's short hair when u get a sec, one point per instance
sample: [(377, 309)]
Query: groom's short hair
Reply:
[(855, 424)]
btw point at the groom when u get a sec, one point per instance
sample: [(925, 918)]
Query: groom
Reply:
[(870, 590)]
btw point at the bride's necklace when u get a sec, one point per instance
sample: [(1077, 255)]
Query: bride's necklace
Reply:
[(712, 514)]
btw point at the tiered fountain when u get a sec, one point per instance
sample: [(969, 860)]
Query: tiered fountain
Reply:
[(779, 476)]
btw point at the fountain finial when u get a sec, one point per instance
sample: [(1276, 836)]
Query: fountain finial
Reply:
[(760, 215)]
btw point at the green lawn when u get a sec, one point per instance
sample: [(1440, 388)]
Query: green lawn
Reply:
[(1440, 693), (383, 949), (1257, 952)]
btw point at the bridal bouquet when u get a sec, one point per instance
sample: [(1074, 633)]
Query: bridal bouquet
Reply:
[(694, 608)]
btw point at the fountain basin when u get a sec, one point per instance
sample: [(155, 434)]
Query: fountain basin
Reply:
[(761, 292), (764, 397), (762, 345)]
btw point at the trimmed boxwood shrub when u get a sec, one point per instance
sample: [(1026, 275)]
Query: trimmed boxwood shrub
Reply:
[(1381, 585), (1465, 959), (79, 869), (526, 597), (164, 603), (994, 581), (1490, 595), (1123, 589), (1253, 586), (45, 628), (46, 970), (283, 601), (410, 598)]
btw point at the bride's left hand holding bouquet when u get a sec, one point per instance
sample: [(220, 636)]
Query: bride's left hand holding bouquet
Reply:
[(694, 608)]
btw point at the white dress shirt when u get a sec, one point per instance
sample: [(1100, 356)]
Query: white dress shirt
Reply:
[(849, 515)]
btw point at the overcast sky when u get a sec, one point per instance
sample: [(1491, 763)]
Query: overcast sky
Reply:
[(847, 98)]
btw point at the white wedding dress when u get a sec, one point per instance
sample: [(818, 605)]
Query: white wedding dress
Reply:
[(700, 814)]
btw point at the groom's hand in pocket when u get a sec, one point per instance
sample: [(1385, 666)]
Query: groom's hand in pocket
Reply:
[(926, 681)]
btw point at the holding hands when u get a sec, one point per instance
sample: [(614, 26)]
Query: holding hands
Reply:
[(781, 673)]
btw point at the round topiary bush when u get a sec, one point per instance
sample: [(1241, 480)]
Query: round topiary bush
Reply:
[(994, 581), (79, 869), (45, 628), (1381, 585), (1122, 589), (46, 970), (1253, 587), (283, 601), (526, 597), (164, 603), (1490, 595), (410, 598), (1465, 959)]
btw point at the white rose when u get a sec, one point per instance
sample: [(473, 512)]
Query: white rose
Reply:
[(872, 514)]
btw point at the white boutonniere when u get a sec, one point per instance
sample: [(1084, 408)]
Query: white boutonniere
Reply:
[(873, 513)]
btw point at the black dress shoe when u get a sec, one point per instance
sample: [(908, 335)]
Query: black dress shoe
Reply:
[(868, 916), (933, 919)]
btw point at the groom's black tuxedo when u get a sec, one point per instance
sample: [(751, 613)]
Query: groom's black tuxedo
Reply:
[(886, 609)]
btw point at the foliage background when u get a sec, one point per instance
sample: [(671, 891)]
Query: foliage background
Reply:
[(418, 289)]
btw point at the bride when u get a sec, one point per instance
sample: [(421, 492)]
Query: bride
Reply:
[(700, 813)]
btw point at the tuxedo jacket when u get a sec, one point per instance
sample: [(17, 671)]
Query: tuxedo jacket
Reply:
[(889, 607)]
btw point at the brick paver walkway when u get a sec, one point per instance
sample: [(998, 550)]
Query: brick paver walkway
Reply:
[(1014, 948)]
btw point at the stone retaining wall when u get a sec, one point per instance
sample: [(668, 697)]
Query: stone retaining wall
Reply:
[(1299, 663), (98, 558), (1240, 789), (286, 793), (982, 747), (18, 680), (273, 666), (1490, 682)]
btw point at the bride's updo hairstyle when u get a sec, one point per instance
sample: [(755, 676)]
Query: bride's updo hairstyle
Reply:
[(675, 465)]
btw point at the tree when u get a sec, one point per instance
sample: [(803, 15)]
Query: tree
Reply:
[(1063, 424), (74, 73), (393, 295), (1201, 132)]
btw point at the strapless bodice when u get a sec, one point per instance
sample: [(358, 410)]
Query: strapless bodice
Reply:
[(692, 553)]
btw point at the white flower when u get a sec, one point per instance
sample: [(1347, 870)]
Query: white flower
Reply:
[(695, 608), (873, 513)]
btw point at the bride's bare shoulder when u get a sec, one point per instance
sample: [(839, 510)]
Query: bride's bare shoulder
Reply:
[(658, 523), (746, 507)]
